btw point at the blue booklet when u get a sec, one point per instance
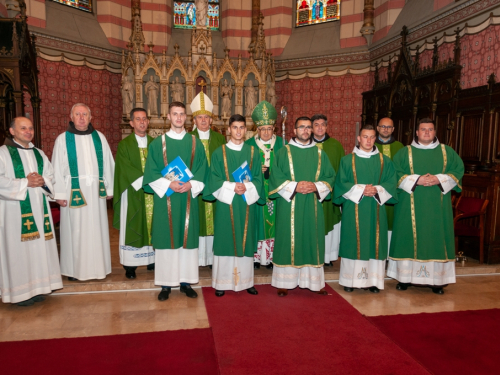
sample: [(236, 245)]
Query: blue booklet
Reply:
[(176, 171), (243, 174)]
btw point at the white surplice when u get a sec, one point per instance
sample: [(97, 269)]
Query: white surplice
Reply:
[(27, 268), (85, 248), (175, 266), (129, 255)]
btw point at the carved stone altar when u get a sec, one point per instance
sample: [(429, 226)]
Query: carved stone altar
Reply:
[(181, 77)]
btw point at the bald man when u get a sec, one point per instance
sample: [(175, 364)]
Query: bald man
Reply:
[(29, 265), (388, 146)]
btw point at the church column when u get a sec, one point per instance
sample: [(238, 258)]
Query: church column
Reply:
[(215, 98), (368, 28), (238, 103), (35, 104), (255, 20)]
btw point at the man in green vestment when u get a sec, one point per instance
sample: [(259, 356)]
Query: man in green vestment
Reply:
[(301, 178), (201, 108), (363, 175), (423, 245), (237, 195), (335, 152), (133, 208), (264, 117), (176, 225), (388, 146)]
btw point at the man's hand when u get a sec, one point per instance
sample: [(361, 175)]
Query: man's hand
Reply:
[(306, 187), (176, 186), (240, 188), (264, 169), (428, 180), (109, 197), (370, 190), (185, 187), (35, 180), (61, 202)]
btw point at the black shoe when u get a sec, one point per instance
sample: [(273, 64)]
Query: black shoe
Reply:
[(39, 298), (219, 293), (269, 266), (130, 274), (438, 290), (151, 267), (256, 265), (72, 278), (348, 290), (188, 291), (328, 264), (252, 290), (163, 296), (402, 286), (210, 266), (28, 302), (374, 289)]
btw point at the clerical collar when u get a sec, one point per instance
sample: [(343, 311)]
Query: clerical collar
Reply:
[(174, 135), (74, 130), (142, 141), (380, 141), (202, 134), (430, 146), (268, 142), (325, 138), (234, 147), (294, 142), (363, 154), (13, 143)]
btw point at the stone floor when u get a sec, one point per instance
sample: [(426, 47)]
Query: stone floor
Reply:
[(117, 305)]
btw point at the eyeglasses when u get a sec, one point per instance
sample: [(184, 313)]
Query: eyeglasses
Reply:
[(385, 127), (265, 130), (305, 127)]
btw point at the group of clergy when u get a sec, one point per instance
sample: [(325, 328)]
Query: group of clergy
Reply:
[(231, 205)]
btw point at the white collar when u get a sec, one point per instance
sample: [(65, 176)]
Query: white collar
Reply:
[(174, 135), (316, 139), (293, 142), (234, 147), (141, 141), (266, 142), (202, 134), (430, 146), (363, 154)]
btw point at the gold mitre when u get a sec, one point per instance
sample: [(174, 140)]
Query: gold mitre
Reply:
[(202, 105)]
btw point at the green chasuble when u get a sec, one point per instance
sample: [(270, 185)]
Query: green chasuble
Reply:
[(364, 225), (389, 149), (176, 219), (267, 213), (335, 152), (235, 224), (423, 221), (207, 208), (129, 166), (300, 224)]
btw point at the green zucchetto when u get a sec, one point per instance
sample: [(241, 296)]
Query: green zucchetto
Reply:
[(264, 114)]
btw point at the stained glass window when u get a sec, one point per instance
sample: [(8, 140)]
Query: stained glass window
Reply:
[(310, 12), (85, 5), (185, 14)]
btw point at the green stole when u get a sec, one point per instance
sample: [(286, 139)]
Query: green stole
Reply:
[(77, 199), (268, 209), (148, 198), (209, 212), (29, 230)]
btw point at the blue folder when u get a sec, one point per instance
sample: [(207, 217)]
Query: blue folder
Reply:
[(176, 171), (243, 174)]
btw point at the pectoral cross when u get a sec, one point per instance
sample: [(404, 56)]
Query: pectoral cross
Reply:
[(29, 223), (77, 199), (236, 277)]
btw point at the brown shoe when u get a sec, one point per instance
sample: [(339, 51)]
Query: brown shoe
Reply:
[(282, 292), (323, 292)]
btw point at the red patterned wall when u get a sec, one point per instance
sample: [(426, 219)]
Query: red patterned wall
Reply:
[(339, 98), (62, 85)]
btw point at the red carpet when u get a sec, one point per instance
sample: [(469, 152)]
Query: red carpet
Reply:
[(189, 352), (303, 333), (462, 342)]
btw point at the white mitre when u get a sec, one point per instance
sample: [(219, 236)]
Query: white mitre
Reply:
[(202, 105)]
